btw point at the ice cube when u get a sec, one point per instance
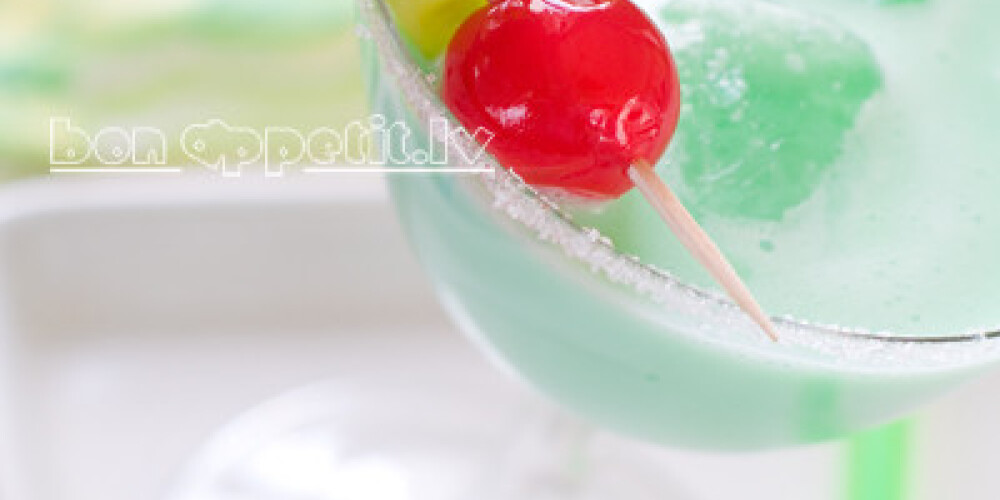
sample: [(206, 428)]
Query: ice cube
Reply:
[(769, 94)]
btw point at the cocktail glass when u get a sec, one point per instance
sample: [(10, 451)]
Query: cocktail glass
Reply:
[(615, 340)]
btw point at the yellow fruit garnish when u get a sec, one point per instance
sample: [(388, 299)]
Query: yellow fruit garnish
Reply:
[(429, 24)]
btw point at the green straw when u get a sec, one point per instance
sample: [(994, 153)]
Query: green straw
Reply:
[(877, 464)]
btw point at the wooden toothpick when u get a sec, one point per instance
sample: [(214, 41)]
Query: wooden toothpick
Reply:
[(699, 243)]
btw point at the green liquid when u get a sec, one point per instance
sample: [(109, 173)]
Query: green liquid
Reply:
[(842, 154)]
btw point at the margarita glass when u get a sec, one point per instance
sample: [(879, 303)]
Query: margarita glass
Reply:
[(627, 344)]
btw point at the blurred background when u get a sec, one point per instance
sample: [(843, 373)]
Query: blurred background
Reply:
[(169, 63)]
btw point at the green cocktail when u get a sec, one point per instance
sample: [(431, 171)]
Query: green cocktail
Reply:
[(795, 97), (842, 155)]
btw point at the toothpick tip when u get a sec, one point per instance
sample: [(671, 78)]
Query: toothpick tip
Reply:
[(699, 243)]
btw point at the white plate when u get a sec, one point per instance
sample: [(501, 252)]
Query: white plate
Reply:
[(138, 317)]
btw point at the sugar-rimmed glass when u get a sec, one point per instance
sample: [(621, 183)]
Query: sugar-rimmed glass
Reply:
[(622, 342)]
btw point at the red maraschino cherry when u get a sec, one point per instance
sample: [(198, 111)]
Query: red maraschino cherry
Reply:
[(574, 91), (580, 96)]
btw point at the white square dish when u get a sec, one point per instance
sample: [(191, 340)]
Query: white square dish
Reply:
[(139, 316)]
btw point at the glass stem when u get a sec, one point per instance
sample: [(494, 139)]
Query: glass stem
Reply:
[(549, 461)]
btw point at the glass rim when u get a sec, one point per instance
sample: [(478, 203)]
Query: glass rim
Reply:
[(420, 94)]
